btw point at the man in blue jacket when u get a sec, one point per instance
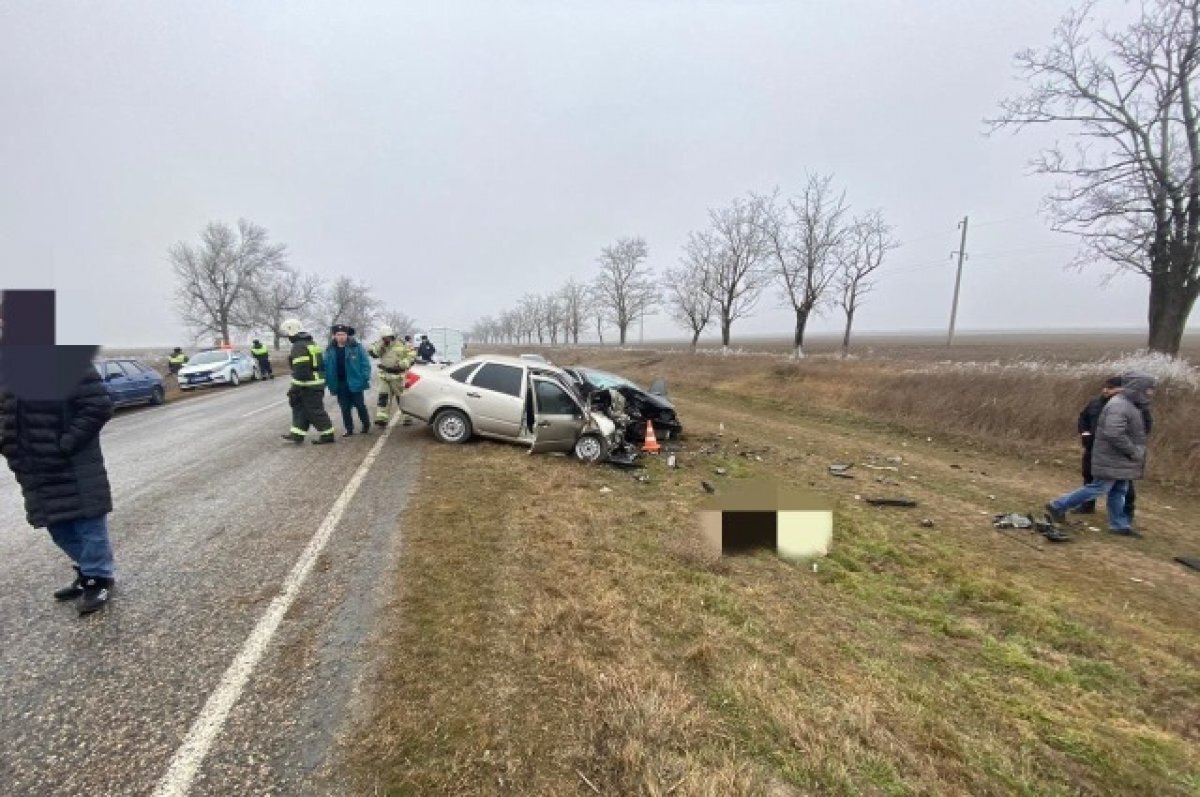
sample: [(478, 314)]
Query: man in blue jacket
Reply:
[(348, 375)]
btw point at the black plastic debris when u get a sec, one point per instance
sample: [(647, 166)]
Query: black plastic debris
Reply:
[(901, 502), (841, 471)]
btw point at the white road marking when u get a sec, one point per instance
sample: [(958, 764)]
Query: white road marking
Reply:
[(264, 409), (204, 731)]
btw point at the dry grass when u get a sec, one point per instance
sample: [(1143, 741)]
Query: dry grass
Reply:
[(550, 639)]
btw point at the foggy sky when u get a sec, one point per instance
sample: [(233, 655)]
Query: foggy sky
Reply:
[(458, 155)]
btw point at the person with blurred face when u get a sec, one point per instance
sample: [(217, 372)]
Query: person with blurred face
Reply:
[(1118, 455), (348, 375), (1088, 417)]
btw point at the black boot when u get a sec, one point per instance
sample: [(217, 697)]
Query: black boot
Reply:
[(324, 440), (96, 594), (349, 432), (74, 590), (293, 438)]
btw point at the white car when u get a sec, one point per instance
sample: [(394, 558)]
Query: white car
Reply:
[(217, 367)]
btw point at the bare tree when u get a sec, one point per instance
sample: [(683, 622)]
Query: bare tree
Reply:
[(1131, 188), (735, 248), (552, 314), (803, 237), (689, 296), (216, 276), (283, 293), (625, 287), (573, 298), (351, 303), (861, 256), (400, 322)]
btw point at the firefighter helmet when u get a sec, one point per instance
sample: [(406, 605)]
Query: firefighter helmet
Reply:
[(292, 327)]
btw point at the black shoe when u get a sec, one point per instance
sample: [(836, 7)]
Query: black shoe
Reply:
[(293, 438), (324, 440), (1086, 509), (366, 428), (1054, 514), (1126, 533), (73, 591), (381, 423), (348, 433), (96, 594)]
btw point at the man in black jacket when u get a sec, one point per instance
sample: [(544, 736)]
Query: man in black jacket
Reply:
[(53, 447)]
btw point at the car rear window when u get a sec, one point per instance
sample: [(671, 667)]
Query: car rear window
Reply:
[(464, 373), (500, 378)]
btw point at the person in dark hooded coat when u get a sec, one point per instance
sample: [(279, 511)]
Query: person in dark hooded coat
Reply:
[(1118, 454), (53, 448)]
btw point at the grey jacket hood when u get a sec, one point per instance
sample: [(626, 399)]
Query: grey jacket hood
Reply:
[(1134, 387)]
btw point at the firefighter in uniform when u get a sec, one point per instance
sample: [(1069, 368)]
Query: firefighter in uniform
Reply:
[(395, 357), (307, 393), (263, 357), (176, 360)]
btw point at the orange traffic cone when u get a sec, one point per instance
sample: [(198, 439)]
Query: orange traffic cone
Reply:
[(650, 444)]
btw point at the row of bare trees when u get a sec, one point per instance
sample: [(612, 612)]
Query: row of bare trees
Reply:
[(810, 248), (236, 280)]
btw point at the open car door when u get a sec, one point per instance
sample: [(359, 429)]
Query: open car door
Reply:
[(558, 416)]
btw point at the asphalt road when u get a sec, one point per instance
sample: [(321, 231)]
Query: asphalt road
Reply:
[(212, 511)]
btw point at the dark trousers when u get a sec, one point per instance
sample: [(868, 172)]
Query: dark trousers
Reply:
[(353, 400), (1090, 506), (308, 409), (264, 367)]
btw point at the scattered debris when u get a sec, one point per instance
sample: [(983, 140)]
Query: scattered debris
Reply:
[(902, 502), (841, 471), (1012, 521), (641, 476), (606, 489), (1093, 528), (1140, 581), (708, 488), (956, 467), (721, 430), (1189, 561), (892, 468), (927, 523), (991, 498), (895, 460), (672, 462), (720, 471)]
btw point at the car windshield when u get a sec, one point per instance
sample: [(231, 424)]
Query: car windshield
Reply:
[(209, 357), (605, 380)]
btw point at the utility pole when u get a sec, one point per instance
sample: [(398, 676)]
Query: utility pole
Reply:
[(962, 254)]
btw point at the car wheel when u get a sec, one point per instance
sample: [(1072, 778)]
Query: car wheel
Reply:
[(157, 397), (234, 381), (589, 448), (452, 426)]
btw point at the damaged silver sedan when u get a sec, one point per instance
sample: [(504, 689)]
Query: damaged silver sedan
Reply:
[(518, 401)]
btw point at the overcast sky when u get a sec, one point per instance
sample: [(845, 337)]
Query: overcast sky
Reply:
[(458, 155)]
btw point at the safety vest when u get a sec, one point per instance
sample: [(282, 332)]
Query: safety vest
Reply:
[(177, 359), (314, 361), (259, 352)]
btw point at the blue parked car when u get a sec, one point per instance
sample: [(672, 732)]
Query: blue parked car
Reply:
[(131, 382)]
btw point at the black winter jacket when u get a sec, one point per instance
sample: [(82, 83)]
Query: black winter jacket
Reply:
[(53, 447)]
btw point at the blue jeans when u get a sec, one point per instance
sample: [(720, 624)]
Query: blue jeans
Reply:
[(1117, 519), (86, 542)]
